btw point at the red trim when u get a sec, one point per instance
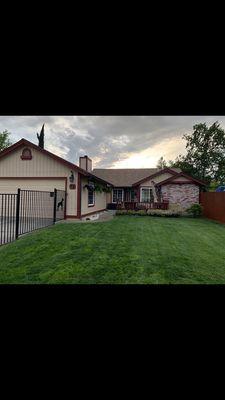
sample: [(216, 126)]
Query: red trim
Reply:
[(166, 181), (65, 198), (78, 195), (93, 212), (178, 183), (26, 157), (162, 171)]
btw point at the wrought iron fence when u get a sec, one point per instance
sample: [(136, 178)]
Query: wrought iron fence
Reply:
[(29, 210), (8, 204)]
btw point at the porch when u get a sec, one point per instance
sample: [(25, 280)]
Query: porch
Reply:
[(135, 205), (143, 198)]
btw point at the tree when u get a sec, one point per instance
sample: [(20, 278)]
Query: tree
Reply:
[(205, 158), (185, 166), (4, 140), (161, 163)]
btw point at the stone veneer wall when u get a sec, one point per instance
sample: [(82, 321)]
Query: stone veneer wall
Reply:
[(182, 195)]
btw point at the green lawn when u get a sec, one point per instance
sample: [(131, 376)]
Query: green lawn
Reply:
[(123, 250)]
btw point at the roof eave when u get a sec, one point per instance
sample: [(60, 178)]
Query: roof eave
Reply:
[(26, 142), (163, 171), (99, 179), (180, 174)]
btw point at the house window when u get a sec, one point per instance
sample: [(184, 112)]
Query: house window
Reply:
[(117, 195), (26, 154), (91, 198), (146, 195)]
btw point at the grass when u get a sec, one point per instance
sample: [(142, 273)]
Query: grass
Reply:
[(127, 250)]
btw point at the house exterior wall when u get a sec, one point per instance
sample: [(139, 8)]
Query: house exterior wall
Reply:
[(100, 200), (181, 179), (48, 185), (41, 166), (184, 195), (156, 179), (109, 197)]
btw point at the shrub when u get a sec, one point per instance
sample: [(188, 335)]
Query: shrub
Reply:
[(195, 210), (131, 212), (163, 213), (121, 212), (151, 213), (141, 212), (177, 208)]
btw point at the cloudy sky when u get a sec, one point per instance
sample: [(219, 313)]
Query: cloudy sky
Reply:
[(111, 141)]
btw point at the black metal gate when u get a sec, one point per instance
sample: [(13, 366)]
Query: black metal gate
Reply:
[(29, 210), (60, 205)]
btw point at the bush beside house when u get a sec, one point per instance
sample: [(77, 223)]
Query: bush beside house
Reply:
[(196, 210), (150, 213)]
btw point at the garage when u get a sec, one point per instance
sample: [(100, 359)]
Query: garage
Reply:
[(10, 185)]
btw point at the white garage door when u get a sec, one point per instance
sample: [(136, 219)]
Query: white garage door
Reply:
[(11, 185)]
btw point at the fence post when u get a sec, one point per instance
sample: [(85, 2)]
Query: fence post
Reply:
[(17, 213), (55, 201)]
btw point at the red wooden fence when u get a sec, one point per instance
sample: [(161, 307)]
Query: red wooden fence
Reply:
[(213, 205)]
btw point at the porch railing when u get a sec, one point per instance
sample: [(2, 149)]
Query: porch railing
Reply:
[(132, 205)]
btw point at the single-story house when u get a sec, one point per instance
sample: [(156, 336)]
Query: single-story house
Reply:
[(151, 185), (27, 166)]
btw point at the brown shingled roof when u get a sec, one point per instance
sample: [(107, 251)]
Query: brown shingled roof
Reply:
[(125, 177)]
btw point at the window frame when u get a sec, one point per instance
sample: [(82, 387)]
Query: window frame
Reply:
[(116, 189), (150, 194), (91, 204)]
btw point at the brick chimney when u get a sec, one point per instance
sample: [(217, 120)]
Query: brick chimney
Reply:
[(85, 163)]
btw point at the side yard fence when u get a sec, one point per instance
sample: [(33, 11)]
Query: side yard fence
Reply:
[(213, 205), (28, 210)]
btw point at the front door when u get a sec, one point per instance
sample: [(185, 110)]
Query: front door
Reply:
[(127, 195)]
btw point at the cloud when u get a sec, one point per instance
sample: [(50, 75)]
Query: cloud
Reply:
[(111, 141)]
